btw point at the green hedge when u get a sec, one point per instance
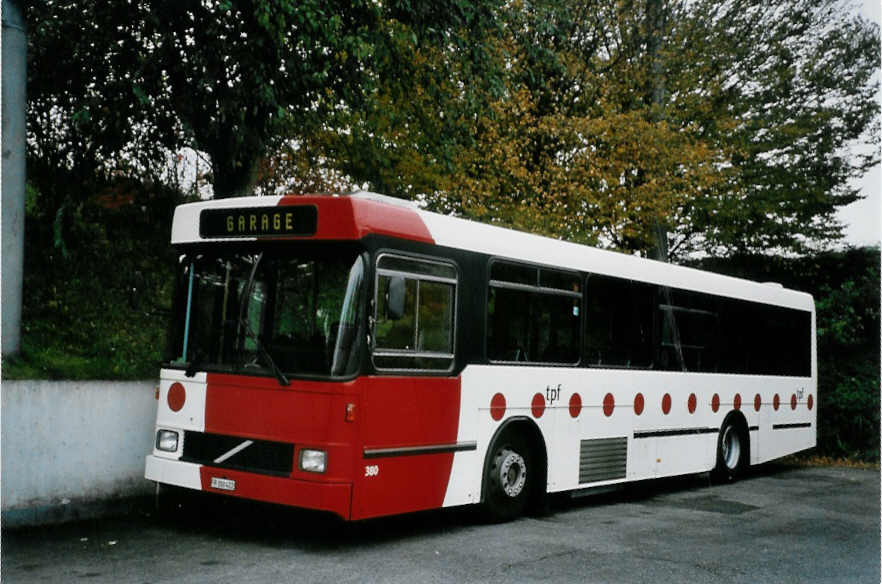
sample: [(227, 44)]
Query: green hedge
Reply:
[(97, 278)]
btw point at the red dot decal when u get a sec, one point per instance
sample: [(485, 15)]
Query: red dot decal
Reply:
[(692, 403), (737, 403), (575, 405), (715, 403), (793, 402), (776, 402), (638, 404), (811, 401), (497, 407), (176, 397), (666, 403), (757, 402), (609, 404), (538, 405)]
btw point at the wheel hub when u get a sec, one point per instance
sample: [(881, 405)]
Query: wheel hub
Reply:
[(512, 473), (731, 447)]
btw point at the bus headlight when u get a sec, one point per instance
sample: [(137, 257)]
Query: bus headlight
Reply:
[(313, 460), (167, 440)]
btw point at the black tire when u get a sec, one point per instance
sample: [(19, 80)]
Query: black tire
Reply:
[(732, 452), (509, 477)]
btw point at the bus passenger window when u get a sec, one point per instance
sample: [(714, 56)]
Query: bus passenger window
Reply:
[(697, 324), (533, 315), (618, 322), (421, 337)]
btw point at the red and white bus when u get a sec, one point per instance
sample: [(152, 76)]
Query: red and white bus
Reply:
[(359, 355)]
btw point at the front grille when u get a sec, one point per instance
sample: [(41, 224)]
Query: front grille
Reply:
[(261, 456)]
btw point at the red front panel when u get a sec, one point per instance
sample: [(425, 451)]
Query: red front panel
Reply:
[(307, 414), (261, 408), (333, 497), (390, 412), (401, 412)]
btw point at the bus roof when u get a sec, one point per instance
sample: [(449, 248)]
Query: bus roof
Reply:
[(352, 217)]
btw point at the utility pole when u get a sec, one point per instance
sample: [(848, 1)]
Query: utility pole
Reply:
[(14, 83)]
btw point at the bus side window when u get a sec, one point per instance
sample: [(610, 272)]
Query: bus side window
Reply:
[(698, 326), (533, 314), (415, 314), (618, 322), (509, 316)]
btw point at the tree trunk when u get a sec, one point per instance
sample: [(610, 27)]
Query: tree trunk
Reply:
[(655, 21), (232, 178)]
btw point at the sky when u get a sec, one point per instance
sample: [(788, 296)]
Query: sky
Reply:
[(863, 219)]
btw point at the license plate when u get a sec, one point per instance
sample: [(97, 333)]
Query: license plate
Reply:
[(223, 484)]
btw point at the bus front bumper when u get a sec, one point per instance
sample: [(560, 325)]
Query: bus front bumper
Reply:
[(333, 497)]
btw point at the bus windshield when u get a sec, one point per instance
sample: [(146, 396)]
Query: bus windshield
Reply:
[(268, 314)]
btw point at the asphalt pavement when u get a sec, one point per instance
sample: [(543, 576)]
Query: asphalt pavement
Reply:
[(779, 524)]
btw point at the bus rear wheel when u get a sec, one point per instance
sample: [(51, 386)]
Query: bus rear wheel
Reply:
[(509, 477), (732, 452)]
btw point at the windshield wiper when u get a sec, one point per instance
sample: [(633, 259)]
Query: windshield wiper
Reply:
[(283, 379), (245, 326)]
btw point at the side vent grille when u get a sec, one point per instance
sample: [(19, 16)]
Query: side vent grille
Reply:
[(603, 459)]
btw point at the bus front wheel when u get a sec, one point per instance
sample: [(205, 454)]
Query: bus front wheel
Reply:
[(509, 477)]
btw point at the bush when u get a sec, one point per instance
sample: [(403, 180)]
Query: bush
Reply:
[(848, 371), (86, 263)]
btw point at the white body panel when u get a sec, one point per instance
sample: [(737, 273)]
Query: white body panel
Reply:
[(165, 467), (526, 247), (192, 415), (648, 457), (172, 472), (653, 456), (185, 225)]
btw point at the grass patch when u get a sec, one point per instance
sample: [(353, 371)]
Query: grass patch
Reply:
[(46, 360), (814, 460)]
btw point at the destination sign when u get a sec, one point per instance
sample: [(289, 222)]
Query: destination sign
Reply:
[(299, 220)]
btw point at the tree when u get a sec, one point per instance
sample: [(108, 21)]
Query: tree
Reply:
[(405, 134), (747, 150), (219, 77), (793, 82), (565, 142), (729, 123), (234, 74), (86, 122), (227, 78)]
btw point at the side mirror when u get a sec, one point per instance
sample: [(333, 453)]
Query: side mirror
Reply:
[(395, 298)]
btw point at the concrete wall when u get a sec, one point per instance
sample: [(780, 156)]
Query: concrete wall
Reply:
[(73, 448)]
